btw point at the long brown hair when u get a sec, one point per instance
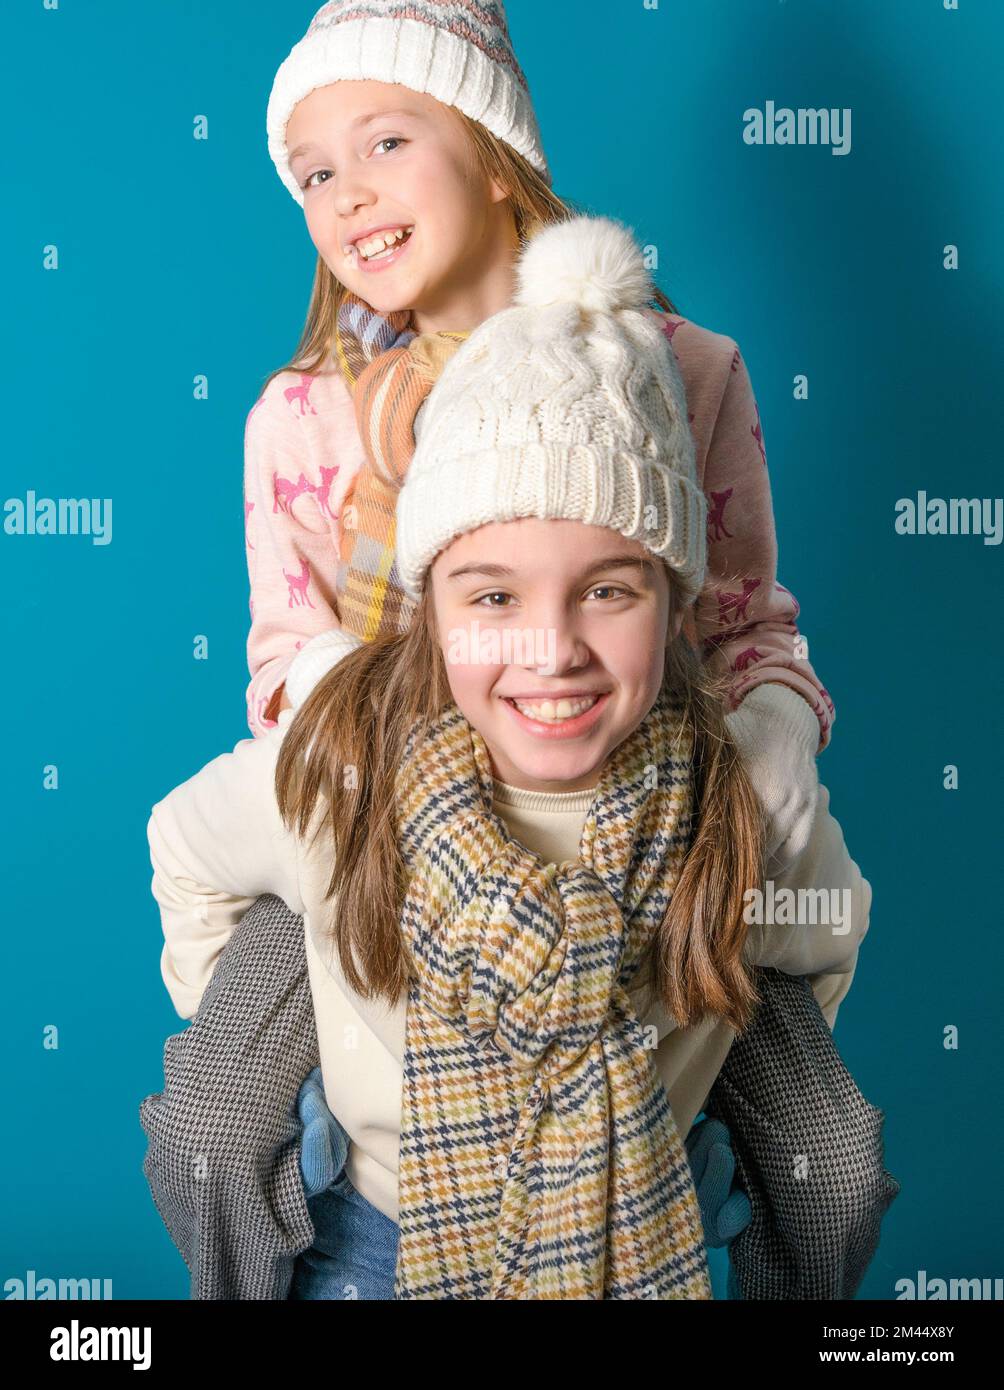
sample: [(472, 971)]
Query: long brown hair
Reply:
[(339, 759), (533, 206)]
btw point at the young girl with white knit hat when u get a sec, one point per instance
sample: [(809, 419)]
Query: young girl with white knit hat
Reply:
[(407, 134), (510, 902)]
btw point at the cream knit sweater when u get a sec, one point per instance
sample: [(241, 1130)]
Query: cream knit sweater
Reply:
[(217, 842)]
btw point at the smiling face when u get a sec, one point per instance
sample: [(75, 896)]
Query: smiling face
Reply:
[(378, 155), (588, 618)]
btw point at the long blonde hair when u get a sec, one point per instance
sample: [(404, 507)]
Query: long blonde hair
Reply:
[(356, 722), (533, 206)]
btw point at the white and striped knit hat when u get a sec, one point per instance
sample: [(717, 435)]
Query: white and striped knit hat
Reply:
[(568, 404), (457, 51)]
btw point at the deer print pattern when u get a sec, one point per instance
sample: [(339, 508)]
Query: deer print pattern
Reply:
[(299, 396), (323, 492), (284, 491), (746, 657), (740, 536), (731, 605), (716, 515), (298, 585)]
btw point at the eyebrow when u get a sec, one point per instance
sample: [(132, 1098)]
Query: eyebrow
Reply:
[(609, 562), (359, 121)]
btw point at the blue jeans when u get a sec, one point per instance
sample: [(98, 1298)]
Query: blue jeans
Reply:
[(354, 1254)]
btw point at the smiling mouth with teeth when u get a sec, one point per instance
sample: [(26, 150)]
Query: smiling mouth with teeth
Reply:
[(552, 712), (374, 248)]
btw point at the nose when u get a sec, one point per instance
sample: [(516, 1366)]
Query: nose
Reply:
[(353, 192), (557, 641)]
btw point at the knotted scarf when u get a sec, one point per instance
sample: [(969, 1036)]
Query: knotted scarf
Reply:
[(539, 1155), (390, 369)]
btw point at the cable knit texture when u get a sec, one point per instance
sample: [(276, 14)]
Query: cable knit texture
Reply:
[(567, 405)]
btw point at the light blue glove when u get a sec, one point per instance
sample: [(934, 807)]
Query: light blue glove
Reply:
[(325, 1144), (725, 1211)]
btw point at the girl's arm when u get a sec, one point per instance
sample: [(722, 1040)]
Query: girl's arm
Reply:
[(291, 545), (820, 907), (744, 619), (216, 843)]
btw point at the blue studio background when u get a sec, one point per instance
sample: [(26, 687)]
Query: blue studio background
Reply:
[(180, 257)]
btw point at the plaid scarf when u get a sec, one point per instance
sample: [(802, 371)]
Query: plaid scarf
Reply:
[(390, 369), (539, 1155)]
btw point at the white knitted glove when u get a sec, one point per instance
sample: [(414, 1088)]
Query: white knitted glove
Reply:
[(315, 659), (778, 734)]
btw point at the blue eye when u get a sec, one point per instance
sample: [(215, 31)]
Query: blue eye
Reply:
[(387, 140)]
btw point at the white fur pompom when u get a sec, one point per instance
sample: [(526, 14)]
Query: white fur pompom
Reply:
[(591, 261)]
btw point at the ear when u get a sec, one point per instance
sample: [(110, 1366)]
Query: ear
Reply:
[(496, 193)]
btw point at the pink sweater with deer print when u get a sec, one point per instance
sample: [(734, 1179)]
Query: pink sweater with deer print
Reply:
[(302, 449)]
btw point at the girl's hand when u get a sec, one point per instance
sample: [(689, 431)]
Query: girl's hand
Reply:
[(725, 1210), (325, 1144), (314, 660), (778, 735)]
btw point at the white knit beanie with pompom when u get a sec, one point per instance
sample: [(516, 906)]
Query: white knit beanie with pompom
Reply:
[(569, 404)]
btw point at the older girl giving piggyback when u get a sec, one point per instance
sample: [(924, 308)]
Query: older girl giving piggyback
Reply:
[(537, 1151)]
